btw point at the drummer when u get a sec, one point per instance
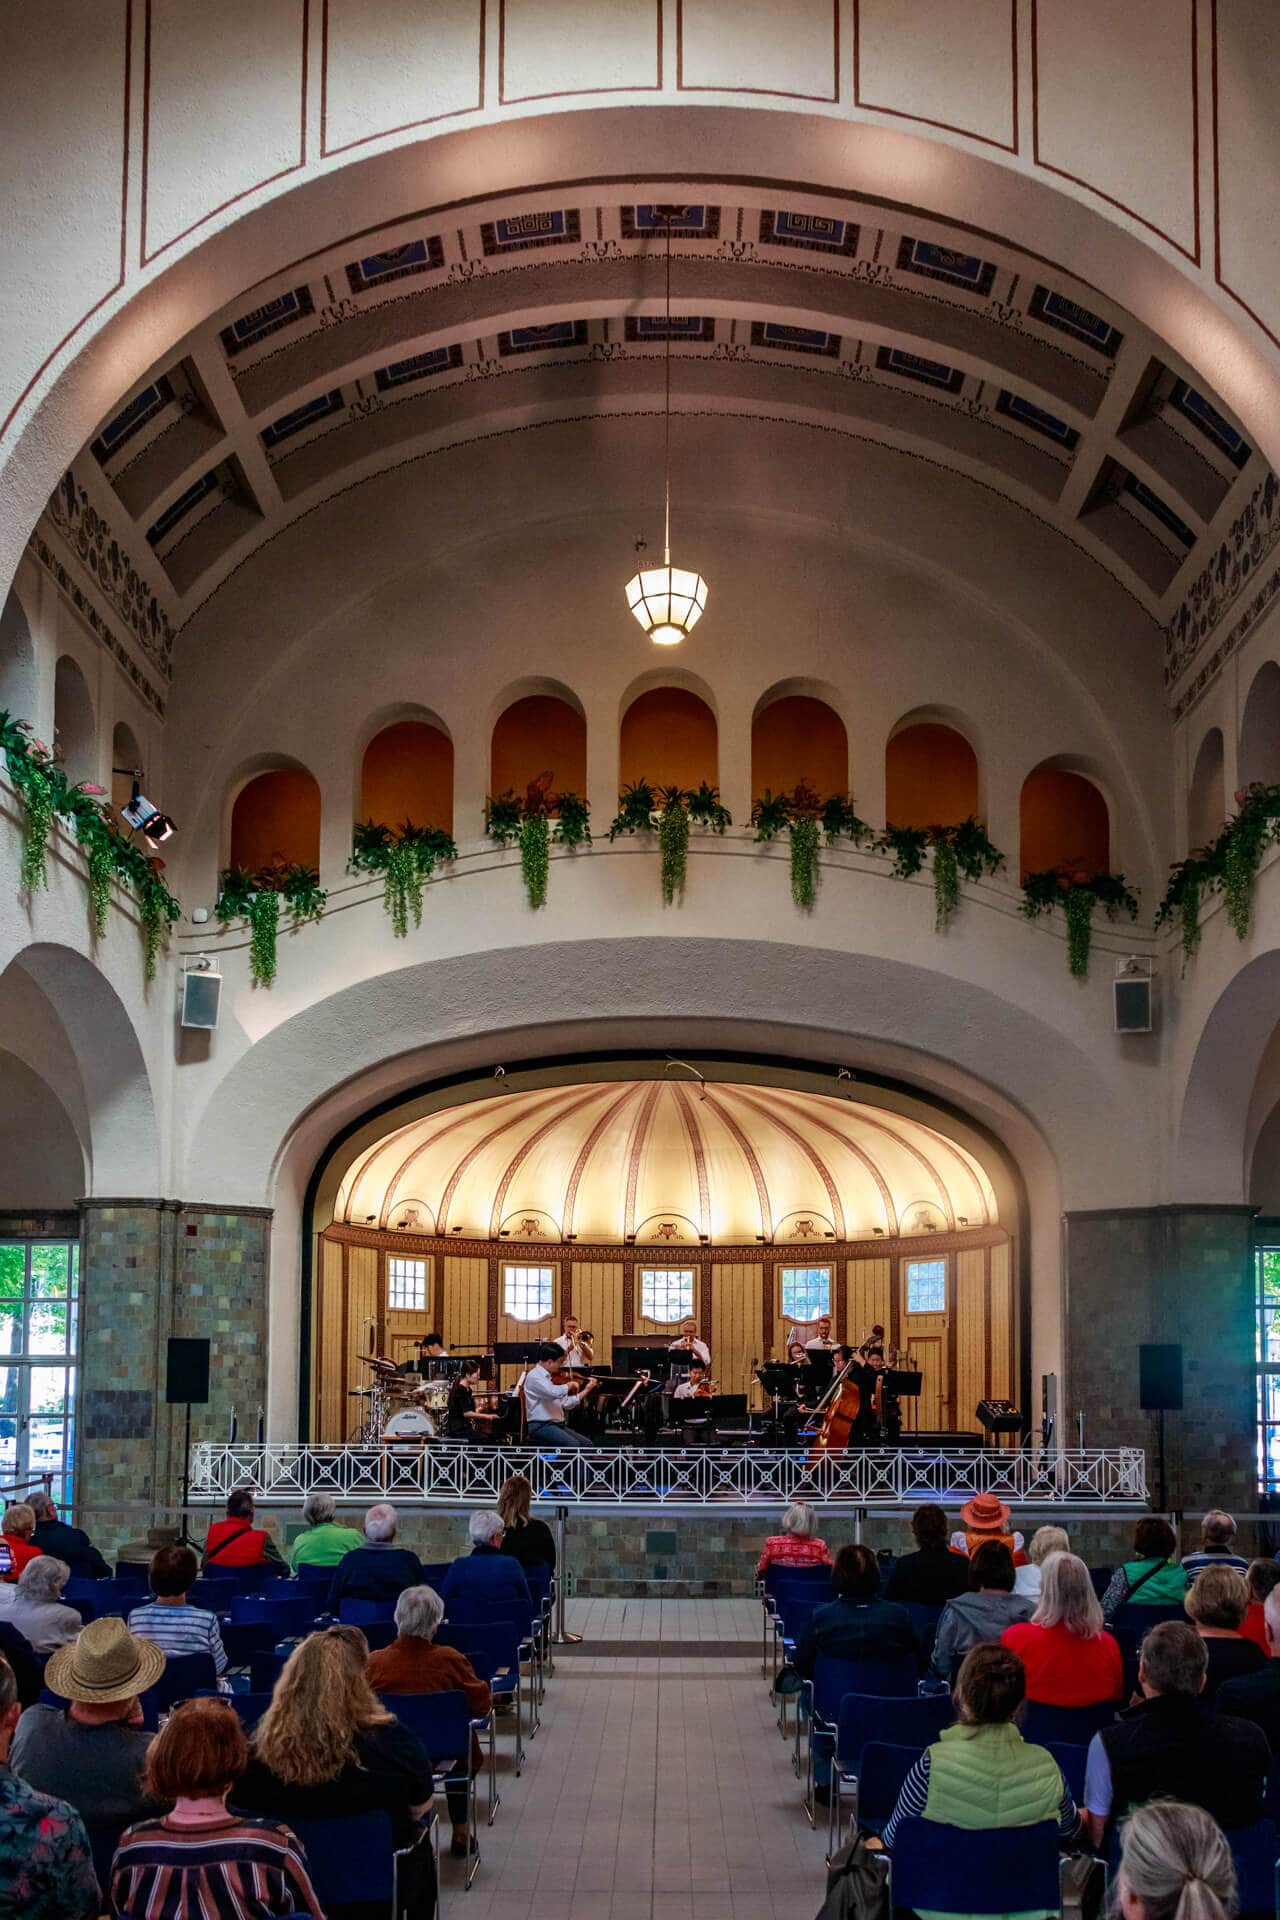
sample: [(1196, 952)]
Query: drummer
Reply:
[(430, 1347)]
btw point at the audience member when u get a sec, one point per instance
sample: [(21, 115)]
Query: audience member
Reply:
[(326, 1747), (984, 1612), (326, 1540), (169, 1619), (201, 1858), (1256, 1696), (46, 1868), (526, 1539), (933, 1574), (1217, 1546), (858, 1624), (1043, 1542), (486, 1573), (37, 1611), (986, 1517), (1216, 1603), (414, 1664), (377, 1569), (1070, 1660), (235, 1541), (91, 1752), (981, 1772), (68, 1543), (1173, 1745), (1151, 1579), (27, 1670), (16, 1544), (1175, 1864), (1262, 1579), (798, 1545)]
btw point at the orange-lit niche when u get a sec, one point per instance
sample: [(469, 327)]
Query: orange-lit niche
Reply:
[(1064, 823), (276, 819), (930, 777), (799, 738), (537, 735), (668, 738), (407, 774)]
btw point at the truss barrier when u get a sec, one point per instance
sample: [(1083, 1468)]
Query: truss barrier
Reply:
[(465, 1475)]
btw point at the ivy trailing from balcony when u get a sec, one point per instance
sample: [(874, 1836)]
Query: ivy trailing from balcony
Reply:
[(534, 823), (257, 898), (1227, 865), (111, 856), (672, 811), (963, 849), (406, 857), (1077, 893), (806, 819)]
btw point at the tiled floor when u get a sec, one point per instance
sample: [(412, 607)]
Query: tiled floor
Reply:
[(658, 1787)]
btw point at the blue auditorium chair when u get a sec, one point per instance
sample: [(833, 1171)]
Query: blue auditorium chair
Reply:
[(975, 1869)]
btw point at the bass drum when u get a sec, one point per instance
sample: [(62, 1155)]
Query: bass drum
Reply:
[(411, 1423)]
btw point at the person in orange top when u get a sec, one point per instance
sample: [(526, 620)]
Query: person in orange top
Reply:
[(797, 1545), (15, 1539), (1263, 1577), (414, 1664), (984, 1518), (1070, 1658), (235, 1541)]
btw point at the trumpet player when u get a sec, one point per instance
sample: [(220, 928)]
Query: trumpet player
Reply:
[(690, 1343), (575, 1343)]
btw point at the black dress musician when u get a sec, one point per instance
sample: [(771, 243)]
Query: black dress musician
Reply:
[(461, 1419), (867, 1365)]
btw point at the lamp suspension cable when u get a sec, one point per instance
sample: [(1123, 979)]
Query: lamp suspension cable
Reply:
[(666, 450)]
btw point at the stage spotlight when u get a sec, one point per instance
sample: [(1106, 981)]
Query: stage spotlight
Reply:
[(142, 816)]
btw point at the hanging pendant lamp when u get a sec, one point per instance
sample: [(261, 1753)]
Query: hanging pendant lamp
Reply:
[(667, 601)]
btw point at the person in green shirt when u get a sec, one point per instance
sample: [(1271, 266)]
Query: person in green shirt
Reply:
[(325, 1542), (1151, 1580)]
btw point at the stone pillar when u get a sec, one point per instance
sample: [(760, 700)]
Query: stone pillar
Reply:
[(1166, 1274), (149, 1269)]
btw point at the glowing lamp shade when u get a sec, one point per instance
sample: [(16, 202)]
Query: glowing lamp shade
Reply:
[(668, 602)]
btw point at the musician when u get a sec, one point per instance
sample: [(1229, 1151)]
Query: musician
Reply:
[(822, 1341), (689, 1342), (430, 1347), (695, 1385), (462, 1421), (575, 1344), (549, 1394), (806, 1390)]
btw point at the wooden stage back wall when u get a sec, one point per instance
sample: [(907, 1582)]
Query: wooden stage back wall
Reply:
[(968, 1351)]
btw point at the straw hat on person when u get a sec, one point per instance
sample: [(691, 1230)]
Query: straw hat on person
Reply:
[(985, 1513), (106, 1662)]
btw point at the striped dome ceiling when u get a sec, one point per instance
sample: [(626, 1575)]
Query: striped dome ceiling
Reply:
[(662, 1161)]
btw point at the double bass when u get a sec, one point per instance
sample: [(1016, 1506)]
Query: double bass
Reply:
[(838, 1412)]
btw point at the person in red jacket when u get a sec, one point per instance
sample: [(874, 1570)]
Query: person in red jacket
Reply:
[(16, 1544), (235, 1541), (1262, 1578), (1070, 1658)]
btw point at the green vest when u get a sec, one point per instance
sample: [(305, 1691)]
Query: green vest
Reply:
[(990, 1777), (1168, 1588)]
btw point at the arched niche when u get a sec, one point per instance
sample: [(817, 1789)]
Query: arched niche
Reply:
[(1264, 1174), (276, 820), (1063, 822), (541, 733), (407, 774), (42, 1164), (1260, 729), (125, 752), (17, 661), (668, 738), (798, 738), (930, 776), (74, 729), (1206, 795)]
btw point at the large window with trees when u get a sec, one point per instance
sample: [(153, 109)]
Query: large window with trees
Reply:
[(39, 1308), (1266, 1261)]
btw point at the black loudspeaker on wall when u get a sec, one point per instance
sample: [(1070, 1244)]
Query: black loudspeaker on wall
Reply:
[(1160, 1379), (187, 1373), (201, 998)]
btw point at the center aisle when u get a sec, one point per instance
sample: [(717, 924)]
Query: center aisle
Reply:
[(658, 1787)]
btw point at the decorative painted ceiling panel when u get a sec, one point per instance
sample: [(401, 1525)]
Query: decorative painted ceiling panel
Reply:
[(665, 1162)]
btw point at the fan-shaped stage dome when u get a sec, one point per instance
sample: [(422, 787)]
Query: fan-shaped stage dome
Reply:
[(661, 1161)]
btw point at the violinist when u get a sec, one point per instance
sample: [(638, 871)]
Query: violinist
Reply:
[(806, 1391), (696, 1385), (549, 1393), (867, 1370)]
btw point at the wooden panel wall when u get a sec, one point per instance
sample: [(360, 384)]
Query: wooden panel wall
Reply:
[(1000, 1319), (969, 1313), (597, 1301), (331, 1361), (870, 1289), (464, 1303), (734, 1337)]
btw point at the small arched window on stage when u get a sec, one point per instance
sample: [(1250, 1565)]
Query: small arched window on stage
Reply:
[(528, 1293), (806, 1293), (406, 1283), (666, 1294), (926, 1286)]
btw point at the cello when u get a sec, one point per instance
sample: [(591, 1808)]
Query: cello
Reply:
[(838, 1410)]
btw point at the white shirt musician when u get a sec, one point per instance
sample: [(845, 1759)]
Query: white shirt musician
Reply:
[(690, 1343), (822, 1341), (547, 1400), (575, 1344), (695, 1379)]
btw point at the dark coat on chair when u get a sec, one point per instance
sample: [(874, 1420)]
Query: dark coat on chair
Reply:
[(486, 1574)]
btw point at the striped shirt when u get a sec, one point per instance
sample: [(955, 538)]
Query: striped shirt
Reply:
[(915, 1793), (241, 1868), (180, 1630)]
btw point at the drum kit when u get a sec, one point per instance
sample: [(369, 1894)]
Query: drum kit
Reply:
[(399, 1406)]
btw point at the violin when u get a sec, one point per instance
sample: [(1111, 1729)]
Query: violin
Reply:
[(705, 1390)]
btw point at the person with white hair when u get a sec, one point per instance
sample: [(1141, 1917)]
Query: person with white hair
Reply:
[(71, 1544), (486, 1573), (413, 1663), (1043, 1542), (1175, 1864), (377, 1569), (326, 1540), (37, 1610), (1070, 1658), (798, 1545)]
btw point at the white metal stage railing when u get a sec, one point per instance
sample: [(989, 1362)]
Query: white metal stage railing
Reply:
[(460, 1474)]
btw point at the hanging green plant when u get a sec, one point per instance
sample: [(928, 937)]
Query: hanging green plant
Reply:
[(264, 927), (1201, 872), (535, 845), (42, 789), (906, 846), (101, 874), (503, 813), (770, 814), (573, 821), (840, 822), (673, 842), (804, 861), (406, 857), (1077, 893), (1227, 865), (533, 823), (705, 808), (963, 849), (256, 898), (946, 884), (807, 819), (157, 911), (637, 805)]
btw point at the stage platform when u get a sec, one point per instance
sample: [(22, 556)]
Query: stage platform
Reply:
[(439, 1476)]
